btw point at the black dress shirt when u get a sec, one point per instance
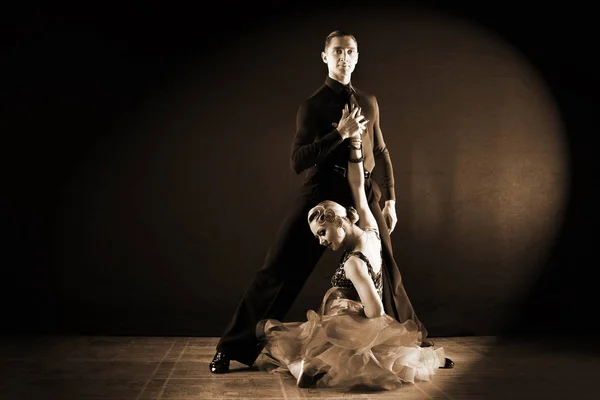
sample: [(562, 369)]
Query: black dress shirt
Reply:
[(318, 145)]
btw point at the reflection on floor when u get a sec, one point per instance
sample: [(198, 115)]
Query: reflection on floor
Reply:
[(136, 368)]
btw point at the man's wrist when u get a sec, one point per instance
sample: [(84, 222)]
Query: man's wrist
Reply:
[(390, 203)]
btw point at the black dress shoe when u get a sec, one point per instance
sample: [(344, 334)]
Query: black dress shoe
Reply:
[(448, 364), (219, 364), (427, 343), (308, 376)]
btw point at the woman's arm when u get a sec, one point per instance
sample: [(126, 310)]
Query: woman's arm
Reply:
[(356, 270), (356, 179)]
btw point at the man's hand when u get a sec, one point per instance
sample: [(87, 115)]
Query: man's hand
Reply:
[(389, 214), (352, 123)]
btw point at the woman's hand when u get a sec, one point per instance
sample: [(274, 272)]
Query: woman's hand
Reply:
[(352, 123)]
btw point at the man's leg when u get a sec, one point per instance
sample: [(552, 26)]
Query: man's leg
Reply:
[(287, 266), (395, 299)]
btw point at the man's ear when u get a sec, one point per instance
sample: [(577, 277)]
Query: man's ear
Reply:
[(324, 57)]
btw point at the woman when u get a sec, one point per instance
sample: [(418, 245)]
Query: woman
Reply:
[(351, 341)]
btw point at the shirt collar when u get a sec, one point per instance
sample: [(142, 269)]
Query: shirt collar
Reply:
[(337, 87)]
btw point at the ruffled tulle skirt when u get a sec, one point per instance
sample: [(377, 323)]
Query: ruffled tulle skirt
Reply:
[(345, 349)]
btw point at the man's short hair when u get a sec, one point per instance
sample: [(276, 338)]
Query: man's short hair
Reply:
[(335, 34)]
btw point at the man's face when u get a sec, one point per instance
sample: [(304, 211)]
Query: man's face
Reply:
[(341, 56)]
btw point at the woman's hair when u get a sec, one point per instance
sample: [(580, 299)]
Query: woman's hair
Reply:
[(330, 211)]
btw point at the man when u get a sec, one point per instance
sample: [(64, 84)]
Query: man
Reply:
[(320, 147)]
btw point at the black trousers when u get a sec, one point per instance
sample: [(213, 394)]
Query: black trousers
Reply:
[(289, 262)]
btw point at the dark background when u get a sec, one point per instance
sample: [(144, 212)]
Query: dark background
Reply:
[(145, 160)]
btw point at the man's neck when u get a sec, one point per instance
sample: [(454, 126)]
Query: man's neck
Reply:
[(344, 80)]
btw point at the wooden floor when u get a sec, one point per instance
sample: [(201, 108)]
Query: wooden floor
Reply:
[(119, 368)]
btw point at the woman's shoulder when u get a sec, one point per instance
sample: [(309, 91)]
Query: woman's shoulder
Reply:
[(372, 230)]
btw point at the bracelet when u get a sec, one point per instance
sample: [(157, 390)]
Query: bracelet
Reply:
[(356, 160), (355, 148)]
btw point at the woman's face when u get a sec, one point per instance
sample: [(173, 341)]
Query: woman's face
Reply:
[(330, 234)]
